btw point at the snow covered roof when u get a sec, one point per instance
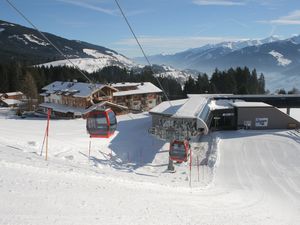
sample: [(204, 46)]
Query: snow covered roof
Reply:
[(220, 104), (242, 104), (192, 107), (184, 108), (11, 102), (142, 88), (63, 108), (169, 108), (102, 104), (77, 89), (78, 110), (14, 93), (126, 84)]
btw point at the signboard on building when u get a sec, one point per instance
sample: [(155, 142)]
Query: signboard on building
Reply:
[(261, 122)]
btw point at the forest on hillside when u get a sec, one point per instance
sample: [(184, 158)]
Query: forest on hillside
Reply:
[(30, 80)]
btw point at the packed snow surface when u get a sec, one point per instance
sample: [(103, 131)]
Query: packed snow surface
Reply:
[(249, 177), (281, 61)]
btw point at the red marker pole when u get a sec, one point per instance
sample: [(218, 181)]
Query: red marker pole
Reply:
[(190, 167), (47, 131)]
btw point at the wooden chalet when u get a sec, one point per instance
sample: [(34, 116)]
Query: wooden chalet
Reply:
[(75, 99), (72, 99), (137, 96)]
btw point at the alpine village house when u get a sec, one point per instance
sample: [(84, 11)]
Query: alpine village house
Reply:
[(76, 99)]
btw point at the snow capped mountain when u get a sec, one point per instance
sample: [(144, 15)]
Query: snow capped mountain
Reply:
[(277, 59), (95, 62), (180, 75), (26, 44), (206, 52), (295, 39)]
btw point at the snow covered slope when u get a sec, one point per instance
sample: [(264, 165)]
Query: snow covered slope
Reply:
[(27, 44), (257, 178), (280, 58), (96, 61)]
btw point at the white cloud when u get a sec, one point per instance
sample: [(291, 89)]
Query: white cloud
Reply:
[(88, 5), (94, 5), (292, 18), (219, 2)]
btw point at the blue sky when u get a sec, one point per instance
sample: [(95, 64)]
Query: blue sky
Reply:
[(163, 26)]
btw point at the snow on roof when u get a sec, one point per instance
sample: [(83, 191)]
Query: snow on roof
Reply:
[(184, 108), (192, 107), (220, 104), (242, 104), (168, 108), (78, 89), (63, 108), (126, 84), (11, 101), (142, 88), (14, 93), (103, 104)]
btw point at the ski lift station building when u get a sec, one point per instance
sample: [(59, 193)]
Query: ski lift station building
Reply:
[(201, 113)]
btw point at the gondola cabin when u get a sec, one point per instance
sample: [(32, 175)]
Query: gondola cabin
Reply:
[(101, 123), (179, 150)]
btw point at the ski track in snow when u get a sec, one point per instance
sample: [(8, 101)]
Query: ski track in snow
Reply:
[(256, 179)]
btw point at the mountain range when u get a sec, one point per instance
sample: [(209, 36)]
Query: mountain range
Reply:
[(25, 44), (278, 59)]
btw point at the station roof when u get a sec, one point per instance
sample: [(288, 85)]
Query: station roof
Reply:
[(141, 88), (242, 104), (184, 108), (168, 108)]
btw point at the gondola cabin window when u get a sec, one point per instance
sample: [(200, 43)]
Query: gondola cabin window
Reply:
[(101, 123), (113, 121), (179, 150)]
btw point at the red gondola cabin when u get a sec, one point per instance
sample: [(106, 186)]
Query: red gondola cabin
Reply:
[(101, 123), (179, 150)]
